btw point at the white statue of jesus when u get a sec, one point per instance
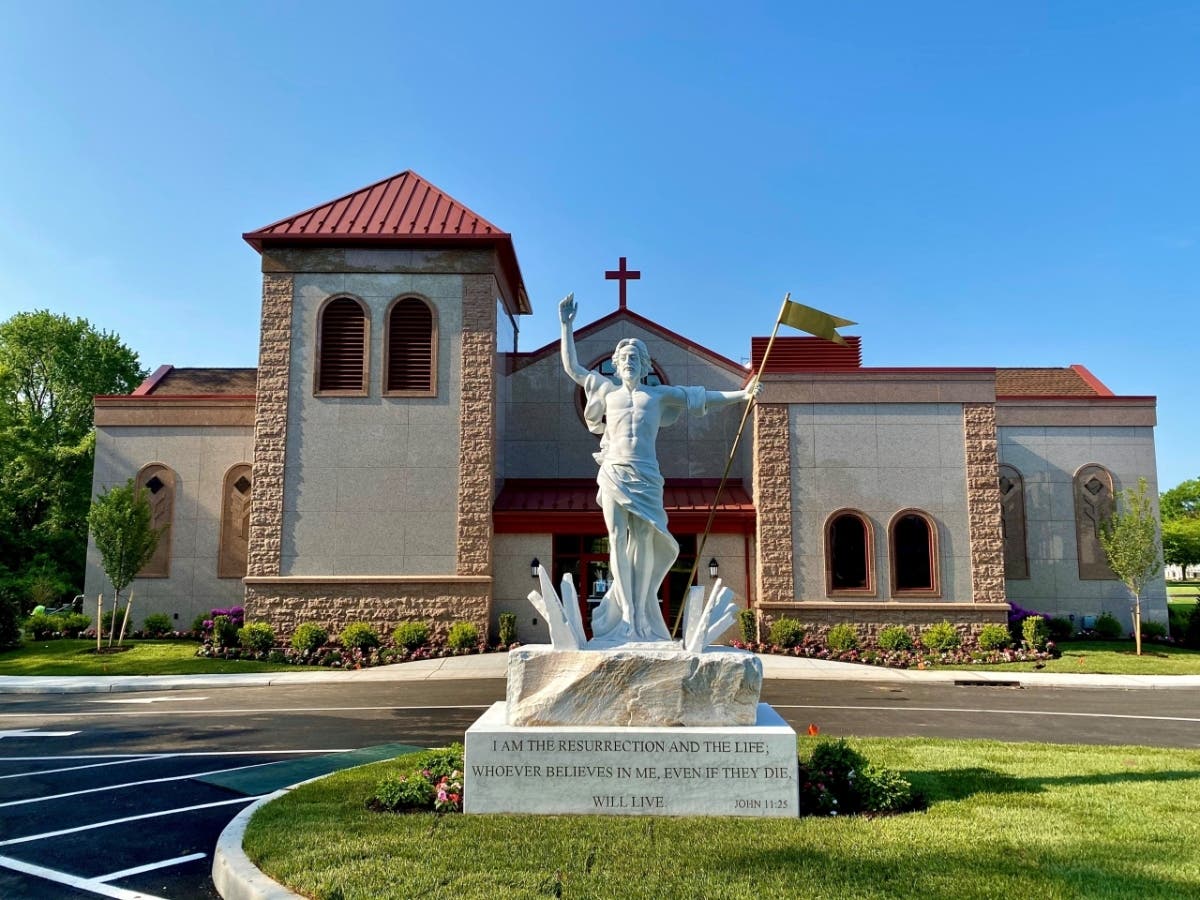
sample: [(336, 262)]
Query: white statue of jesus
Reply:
[(627, 415)]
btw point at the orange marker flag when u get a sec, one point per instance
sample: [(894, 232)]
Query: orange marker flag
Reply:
[(813, 730)]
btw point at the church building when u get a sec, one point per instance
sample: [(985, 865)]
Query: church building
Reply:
[(396, 455)]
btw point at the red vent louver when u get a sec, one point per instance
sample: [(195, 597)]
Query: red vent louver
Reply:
[(343, 347), (410, 347)]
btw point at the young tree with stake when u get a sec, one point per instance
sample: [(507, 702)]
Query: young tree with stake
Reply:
[(121, 525), (1130, 541)]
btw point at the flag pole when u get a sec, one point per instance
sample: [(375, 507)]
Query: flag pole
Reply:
[(712, 512)]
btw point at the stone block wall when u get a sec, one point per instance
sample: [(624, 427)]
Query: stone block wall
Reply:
[(383, 603)]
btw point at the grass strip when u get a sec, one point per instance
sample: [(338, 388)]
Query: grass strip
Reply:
[(1111, 658), (1005, 820), (72, 657)]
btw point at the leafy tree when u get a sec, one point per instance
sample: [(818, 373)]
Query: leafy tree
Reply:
[(1181, 542), (1130, 541), (50, 368), (1181, 501), (120, 521)]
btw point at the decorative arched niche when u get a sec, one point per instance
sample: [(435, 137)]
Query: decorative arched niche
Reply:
[(343, 348), (158, 482), (410, 348), (234, 540), (1093, 505), (849, 555), (1012, 523), (913, 550)]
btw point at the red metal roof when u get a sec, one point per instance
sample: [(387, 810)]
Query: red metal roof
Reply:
[(400, 209), (807, 354), (536, 505), (404, 205)]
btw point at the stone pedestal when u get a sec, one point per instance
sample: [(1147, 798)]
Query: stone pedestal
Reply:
[(661, 771), (633, 685)]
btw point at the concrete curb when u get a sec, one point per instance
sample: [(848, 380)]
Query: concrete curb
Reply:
[(494, 666), (234, 875)]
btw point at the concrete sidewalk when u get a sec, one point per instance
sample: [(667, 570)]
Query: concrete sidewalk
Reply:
[(494, 665)]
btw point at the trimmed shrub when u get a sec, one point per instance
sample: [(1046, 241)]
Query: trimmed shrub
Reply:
[(994, 637), (1153, 631), (1191, 633), (40, 626), (881, 790), (408, 791), (941, 637), (462, 636), (1108, 628), (106, 621), (787, 632), (199, 625), (843, 636), (748, 623), (309, 637), (256, 636), (411, 635), (224, 632), (157, 624), (1061, 629), (359, 636), (73, 624), (1035, 632), (895, 637), (508, 629)]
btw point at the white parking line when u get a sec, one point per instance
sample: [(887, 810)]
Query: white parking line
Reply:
[(140, 756), (149, 867), (992, 712), (122, 821), (129, 784), (91, 885), (239, 711), (116, 762)]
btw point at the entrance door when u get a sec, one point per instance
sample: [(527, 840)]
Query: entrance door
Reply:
[(585, 557)]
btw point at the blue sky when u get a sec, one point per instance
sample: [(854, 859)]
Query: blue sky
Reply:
[(1006, 184)]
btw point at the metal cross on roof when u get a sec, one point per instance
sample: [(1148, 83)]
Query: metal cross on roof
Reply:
[(622, 275)]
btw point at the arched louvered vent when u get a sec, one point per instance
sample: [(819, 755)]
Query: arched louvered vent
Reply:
[(343, 352), (412, 349)]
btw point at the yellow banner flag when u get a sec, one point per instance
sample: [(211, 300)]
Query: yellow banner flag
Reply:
[(815, 322)]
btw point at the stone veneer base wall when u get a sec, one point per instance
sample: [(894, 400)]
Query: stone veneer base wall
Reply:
[(773, 497), (382, 602), (477, 426), (871, 618), (984, 515), (270, 427)]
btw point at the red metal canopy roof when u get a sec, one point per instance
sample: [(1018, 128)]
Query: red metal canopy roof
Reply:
[(807, 354), (401, 209), (555, 506)]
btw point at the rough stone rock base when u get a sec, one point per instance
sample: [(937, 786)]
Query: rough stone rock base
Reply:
[(640, 686), (715, 771)]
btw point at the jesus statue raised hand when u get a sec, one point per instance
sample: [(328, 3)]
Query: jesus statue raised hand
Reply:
[(627, 415)]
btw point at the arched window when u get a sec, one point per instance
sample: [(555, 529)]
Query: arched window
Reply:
[(849, 557), (912, 537), (410, 349), (343, 347), (235, 522), (1012, 523), (158, 482), (1093, 504)]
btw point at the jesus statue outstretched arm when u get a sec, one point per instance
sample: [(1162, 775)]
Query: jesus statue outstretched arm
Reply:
[(570, 360)]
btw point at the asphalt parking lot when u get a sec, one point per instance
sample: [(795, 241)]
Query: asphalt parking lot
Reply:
[(134, 825)]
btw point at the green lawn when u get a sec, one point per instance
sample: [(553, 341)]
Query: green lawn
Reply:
[(67, 657), (1004, 821), (1183, 590), (1113, 658)]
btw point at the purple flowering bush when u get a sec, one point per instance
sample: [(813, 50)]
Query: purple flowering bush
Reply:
[(812, 648)]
